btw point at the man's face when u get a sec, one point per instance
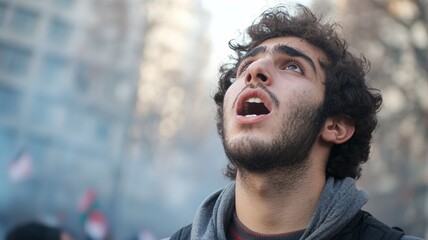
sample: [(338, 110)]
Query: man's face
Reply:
[(272, 110)]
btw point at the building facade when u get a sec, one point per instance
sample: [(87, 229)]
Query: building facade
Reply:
[(68, 74), (108, 97)]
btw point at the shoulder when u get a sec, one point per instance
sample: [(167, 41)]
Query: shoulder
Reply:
[(365, 226), (182, 234), (374, 226)]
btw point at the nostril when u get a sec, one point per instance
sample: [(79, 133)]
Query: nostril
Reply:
[(262, 77)]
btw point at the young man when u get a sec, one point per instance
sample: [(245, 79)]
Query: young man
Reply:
[(296, 119)]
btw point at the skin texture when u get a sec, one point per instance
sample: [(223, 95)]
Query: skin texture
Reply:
[(281, 196)]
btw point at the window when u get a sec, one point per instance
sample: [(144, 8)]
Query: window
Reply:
[(64, 151), (102, 130), (52, 72), (82, 78), (10, 101), (47, 112), (24, 21), (59, 31), (75, 121), (7, 143), (120, 87), (38, 147), (3, 8), (14, 59)]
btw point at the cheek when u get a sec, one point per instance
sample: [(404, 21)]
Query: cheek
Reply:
[(227, 98), (307, 93)]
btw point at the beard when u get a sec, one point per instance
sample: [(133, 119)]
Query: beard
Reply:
[(288, 151)]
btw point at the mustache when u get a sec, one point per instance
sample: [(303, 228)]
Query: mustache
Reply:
[(271, 95)]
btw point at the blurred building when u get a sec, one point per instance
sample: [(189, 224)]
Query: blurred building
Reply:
[(173, 122), (106, 97), (68, 74)]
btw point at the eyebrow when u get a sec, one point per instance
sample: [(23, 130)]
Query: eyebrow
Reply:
[(281, 49), (255, 51)]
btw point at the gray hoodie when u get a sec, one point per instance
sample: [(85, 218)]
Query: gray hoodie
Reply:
[(339, 202)]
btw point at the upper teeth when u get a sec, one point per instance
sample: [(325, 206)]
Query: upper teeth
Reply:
[(254, 100)]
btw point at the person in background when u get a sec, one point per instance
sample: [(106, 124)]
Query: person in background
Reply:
[(296, 117), (36, 231)]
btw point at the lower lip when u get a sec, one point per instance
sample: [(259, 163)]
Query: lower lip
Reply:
[(252, 119)]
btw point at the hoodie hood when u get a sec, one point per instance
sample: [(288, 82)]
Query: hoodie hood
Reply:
[(340, 200)]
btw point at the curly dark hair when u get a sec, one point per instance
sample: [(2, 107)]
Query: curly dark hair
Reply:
[(346, 91)]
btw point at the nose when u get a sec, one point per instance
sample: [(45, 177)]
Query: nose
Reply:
[(258, 71)]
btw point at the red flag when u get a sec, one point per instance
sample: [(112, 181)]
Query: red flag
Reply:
[(86, 200), (20, 169)]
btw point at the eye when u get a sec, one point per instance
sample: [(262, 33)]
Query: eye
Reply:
[(243, 66), (293, 66)]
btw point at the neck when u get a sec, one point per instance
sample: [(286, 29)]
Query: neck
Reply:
[(278, 202)]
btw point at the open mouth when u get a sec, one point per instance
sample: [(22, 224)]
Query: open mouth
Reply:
[(253, 107)]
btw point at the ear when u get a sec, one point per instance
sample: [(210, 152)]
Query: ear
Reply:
[(337, 129)]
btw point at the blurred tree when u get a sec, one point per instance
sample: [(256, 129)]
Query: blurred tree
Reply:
[(393, 36)]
